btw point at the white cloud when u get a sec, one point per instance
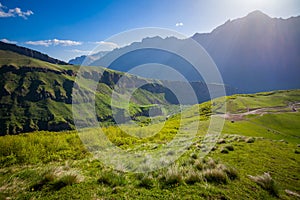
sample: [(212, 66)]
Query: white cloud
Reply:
[(54, 42), (108, 44), (179, 24), (14, 12), (6, 40), (66, 42), (79, 51), (45, 43)]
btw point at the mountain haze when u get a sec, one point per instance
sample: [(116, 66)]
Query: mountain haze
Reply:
[(254, 53)]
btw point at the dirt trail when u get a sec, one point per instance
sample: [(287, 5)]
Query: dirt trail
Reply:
[(261, 111), (295, 107)]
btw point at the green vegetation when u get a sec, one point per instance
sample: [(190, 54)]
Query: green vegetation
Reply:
[(266, 182), (256, 156), (260, 160), (37, 95)]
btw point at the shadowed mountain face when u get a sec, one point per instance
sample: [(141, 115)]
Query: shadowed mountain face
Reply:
[(254, 53)]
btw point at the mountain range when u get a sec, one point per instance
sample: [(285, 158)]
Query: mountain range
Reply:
[(38, 95), (253, 53)]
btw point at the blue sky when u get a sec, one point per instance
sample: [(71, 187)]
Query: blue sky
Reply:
[(65, 29)]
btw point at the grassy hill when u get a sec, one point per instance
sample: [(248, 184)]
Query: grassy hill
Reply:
[(256, 157), (36, 95)]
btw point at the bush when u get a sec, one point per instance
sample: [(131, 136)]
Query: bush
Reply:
[(68, 179), (215, 176), (47, 177), (192, 176), (266, 182), (172, 176), (229, 147), (221, 141), (146, 182), (198, 164), (112, 179), (56, 178), (194, 156), (210, 163), (250, 140), (224, 150), (231, 172)]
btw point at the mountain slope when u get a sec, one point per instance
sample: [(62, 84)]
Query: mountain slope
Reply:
[(254, 53), (36, 95), (30, 53), (45, 165)]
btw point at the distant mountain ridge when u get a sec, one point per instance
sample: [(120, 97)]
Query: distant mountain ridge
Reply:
[(87, 59), (254, 53), (30, 53)]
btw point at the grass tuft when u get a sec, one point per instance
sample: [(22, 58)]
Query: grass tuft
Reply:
[(146, 181), (266, 182), (112, 178), (192, 177), (250, 140), (172, 176), (215, 175)]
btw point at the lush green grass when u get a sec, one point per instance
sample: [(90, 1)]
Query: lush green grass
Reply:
[(17, 60), (56, 165), (283, 126), (240, 103), (222, 175)]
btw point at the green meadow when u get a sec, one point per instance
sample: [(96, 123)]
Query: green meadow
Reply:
[(255, 157)]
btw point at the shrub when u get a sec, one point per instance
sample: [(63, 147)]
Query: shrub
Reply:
[(250, 140), (221, 141), (146, 182), (215, 175), (192, 176), (68, 179), (224, 150), (172, 176), (266, 182), (214, 148), (198, 164), (56, 178), (194, 156), (231, 172), (229, 147), (112, 179), (47, 177), (210, 163)]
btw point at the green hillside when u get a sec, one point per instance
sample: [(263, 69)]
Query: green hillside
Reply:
[(36, 95), (256, 157)]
